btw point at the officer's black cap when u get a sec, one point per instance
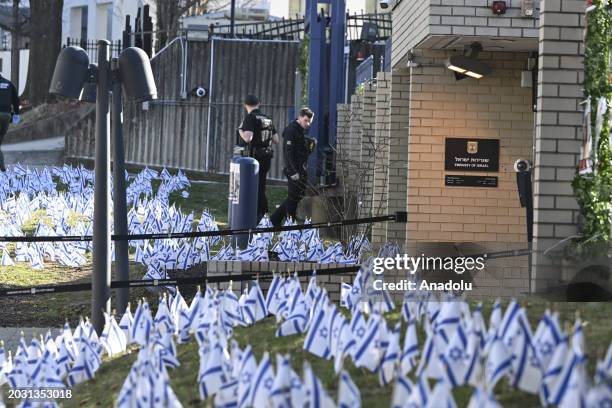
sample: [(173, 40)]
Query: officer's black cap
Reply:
[(251, 100)]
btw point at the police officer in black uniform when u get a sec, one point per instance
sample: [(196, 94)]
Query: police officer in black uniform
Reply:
[(256, 135), (296, 147), (8, 99)]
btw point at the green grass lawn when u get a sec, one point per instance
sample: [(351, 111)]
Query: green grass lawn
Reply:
[(104, 388), (52, 310), (213, 196)]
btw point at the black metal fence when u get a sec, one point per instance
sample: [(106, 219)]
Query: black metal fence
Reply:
[(91, 46), (286, 30), (368, 27)]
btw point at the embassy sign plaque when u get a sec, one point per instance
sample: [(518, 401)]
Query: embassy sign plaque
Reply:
[(471, 155), (470, 181)]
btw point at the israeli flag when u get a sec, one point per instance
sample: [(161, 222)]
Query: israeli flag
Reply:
[(454, 359), (318, 339), (317, 397), (263, 381), (85, 366), (603, 372), (281, 389), (429, 364), (228, 395), (547, 337), (499, 363), (420, 395), (368, 351), (344, 344), (572, 382), (410, 350), (390, 362), (113, 338), (248, 368), (143, 324), (211, 377), (552, 373), (402, 392), (599, 396), (526, 368), (276, 298), (6, 258), (482, 399), (296, 314), (441, 397), (164, 322), (299, 393), (348, 393)]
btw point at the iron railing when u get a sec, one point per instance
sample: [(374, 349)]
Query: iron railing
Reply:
[(91, 47)]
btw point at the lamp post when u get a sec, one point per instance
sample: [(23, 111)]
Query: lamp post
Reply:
[(72, 75), (122, 257), (101, 279), (232, 18)]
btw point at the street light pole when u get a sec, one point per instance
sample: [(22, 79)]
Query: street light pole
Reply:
[(72, 78), (101, 238), (232, 18), (122, 260)]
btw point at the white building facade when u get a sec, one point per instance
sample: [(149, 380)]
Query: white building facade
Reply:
[(99, 19)]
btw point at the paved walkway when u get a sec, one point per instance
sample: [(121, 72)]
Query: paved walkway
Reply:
[(35, 153), (12, 335)]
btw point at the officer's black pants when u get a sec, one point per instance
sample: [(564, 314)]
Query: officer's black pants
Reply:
[(295, 192), (262, 201), (5, 120)]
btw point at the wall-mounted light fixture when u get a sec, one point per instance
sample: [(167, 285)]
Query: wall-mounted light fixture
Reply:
[(467, 65), (499, 7)]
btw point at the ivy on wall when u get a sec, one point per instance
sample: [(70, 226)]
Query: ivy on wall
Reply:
[(593, 181), (303, 67)]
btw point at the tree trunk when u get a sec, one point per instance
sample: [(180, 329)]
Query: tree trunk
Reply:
[(168, 14), (15, 45), (45, 45)]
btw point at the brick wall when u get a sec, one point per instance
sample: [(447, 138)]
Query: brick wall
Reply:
[(399, 118), (416, 20), (494, 107), (381, 155), (410, 23), (558, 130), (474, 17), (365, 170)]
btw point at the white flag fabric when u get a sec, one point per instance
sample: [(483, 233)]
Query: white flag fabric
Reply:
[(125, 324), (280, 396), (480, 399), (499, 363), (401, 392), (248, 367), (348, 393), (263, 381), (441, 397), (317, 397), (113, 338), (410, 350), (389, 366)]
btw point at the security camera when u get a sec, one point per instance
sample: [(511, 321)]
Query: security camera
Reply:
[(201, 92), (384, 4), (522, 165)]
